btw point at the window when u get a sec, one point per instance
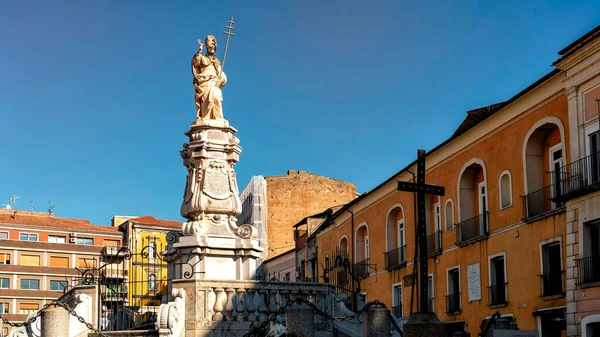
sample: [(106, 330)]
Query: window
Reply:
[(327, 262), (449, 214), (152, 250), (589, 263), (288, 277), (497, 289), (5, 308), (556, 162), (59, 261), (430, 293), (4, 235), (84, 241), (57, 285), (112, 243), (86, 262), (453, 299), (152, 283), (552, 274), (438, 216), (30, 260), (28, 308), (57, 239), (30, 284), (4, 283), (28, 237), (4, 258), (397, 297), (505, 190)]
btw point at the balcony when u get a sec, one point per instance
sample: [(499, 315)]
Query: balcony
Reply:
[(396, 258), (473, 229), (434, 244), (361, 269), (497, 295), (552, 284), (453, 304), (397, 311), (114, 251), (589, 270), (578, 178), (542, 203)]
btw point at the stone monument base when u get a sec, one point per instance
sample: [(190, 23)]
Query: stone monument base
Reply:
[(424, 324)]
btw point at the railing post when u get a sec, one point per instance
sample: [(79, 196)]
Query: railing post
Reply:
[(55, 322), (376, 322), (300, 320)]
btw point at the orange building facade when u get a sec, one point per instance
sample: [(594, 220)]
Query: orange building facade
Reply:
[(42, 255), (516, 230)]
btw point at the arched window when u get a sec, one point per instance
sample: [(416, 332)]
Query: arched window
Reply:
[(505, 184), (152, 283), (344, 244), (449, 214), (152, 250), (327, 262)]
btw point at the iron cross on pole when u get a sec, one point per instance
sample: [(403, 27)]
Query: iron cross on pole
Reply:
[(421, 189), (229, 33)]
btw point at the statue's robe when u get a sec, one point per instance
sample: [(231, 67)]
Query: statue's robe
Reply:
[(209, 98)]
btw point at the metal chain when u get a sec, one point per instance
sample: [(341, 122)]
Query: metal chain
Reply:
[(56, 303), (263, 329)]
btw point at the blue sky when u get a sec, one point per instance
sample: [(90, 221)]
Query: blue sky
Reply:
[(95, 95)]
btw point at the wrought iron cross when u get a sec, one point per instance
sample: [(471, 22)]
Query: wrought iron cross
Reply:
[(421, 189), (229, 33)]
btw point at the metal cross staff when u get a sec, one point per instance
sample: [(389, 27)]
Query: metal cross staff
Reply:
[(229, 34)]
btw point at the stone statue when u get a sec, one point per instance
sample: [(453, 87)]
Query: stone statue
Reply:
[(209, 78)]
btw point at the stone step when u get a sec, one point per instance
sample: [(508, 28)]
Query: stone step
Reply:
[(127, 333)]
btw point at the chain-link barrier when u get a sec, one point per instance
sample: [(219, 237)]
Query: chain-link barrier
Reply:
[(263, 328), (54, 303)]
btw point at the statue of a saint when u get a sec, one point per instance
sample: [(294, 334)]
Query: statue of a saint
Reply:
[(209, 78)]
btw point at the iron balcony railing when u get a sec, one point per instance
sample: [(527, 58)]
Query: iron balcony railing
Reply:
[(395, 258), (361, 269), (397, 310), (589, 269), (497, 294), (453, 304), (578, 178), (342, 276), (541, 202), (552, 284), (434, 243), (473, 229)]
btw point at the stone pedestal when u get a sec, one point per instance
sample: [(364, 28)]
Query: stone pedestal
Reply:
[(55, 322), (420, 325), (213, 246), (376, 322)]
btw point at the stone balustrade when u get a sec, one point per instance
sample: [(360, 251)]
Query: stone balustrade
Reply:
[(254, 301)]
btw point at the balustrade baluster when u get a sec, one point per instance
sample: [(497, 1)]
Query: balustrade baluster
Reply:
[(273, 301), (250, 306), (240, 308), (218, 308), (283, 298), (229, 305), (262, 307)]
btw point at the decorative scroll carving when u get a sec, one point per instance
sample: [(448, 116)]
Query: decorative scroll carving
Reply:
[(171, 316)]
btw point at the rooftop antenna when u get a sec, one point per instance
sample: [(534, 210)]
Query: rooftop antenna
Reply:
[(12, 201), (32, 205), (50, 207)]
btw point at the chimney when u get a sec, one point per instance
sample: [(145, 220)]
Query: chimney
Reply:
[(291, 172)]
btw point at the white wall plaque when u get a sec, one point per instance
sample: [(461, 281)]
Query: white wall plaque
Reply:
[(474, 282)]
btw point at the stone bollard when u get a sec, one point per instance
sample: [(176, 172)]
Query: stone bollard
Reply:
[(55, 322), (376, 322), (300, 320)]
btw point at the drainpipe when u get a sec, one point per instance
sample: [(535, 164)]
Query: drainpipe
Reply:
[(354, 297)]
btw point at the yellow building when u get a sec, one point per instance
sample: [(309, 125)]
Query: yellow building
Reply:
[(147, 271)]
